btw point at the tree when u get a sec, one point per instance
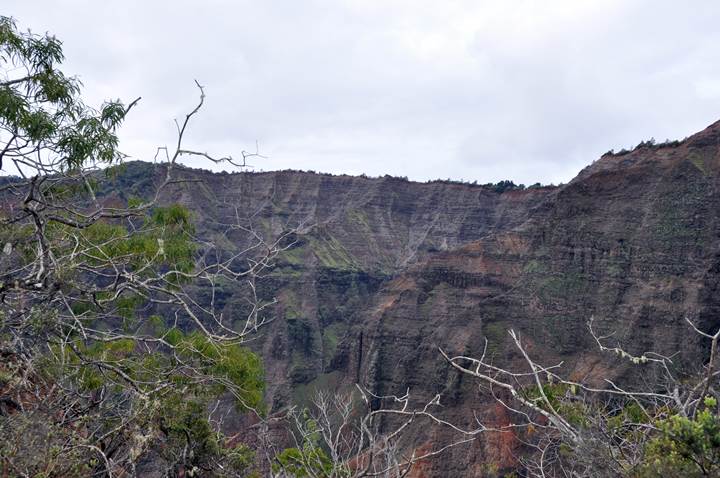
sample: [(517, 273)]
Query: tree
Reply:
[(669, 427), (341, 436), (109, 363)]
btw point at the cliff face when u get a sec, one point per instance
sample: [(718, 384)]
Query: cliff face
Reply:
[(633, 242), (352, 236), (384, 271)]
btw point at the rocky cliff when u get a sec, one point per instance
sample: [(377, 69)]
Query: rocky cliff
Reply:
[(633, 242), (350, 237), (382, 272)]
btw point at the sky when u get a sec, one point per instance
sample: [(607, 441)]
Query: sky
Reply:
[(471, 90)]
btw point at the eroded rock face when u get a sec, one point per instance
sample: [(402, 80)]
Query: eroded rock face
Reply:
[(353, 236), (633, 242), (385, 271)]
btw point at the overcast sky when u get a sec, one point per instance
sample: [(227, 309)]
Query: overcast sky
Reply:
[(474, 90)]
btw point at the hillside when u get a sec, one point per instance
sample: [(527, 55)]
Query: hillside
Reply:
[(382, 271)]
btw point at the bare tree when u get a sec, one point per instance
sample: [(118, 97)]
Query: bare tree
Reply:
[(574, 429), (360, 434)]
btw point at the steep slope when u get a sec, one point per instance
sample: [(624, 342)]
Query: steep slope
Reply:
[(383, 271), (351, 236), (633, 241)]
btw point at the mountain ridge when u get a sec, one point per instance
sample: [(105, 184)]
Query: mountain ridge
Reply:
[(381, 272)]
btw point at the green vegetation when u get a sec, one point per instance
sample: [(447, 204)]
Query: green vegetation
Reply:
[(699, 162), (505, 185), (309, 459), (558, 397), (648, 144), (563, 285), (116, 354), (360, 217), (686, 446), (331, 253), (108, 363), (534, 267), (497, 336)]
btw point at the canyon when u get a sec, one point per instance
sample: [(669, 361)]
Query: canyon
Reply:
[(380, 273)]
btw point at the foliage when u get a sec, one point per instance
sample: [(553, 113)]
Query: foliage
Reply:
[(108, 363), (308, 459), (42, 106), (686, 446), (560, 398), (192, 440), (505, 185)]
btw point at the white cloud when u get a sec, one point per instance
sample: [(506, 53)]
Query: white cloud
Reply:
[(480, 90)]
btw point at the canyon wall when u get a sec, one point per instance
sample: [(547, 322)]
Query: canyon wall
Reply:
[(381, 272)]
